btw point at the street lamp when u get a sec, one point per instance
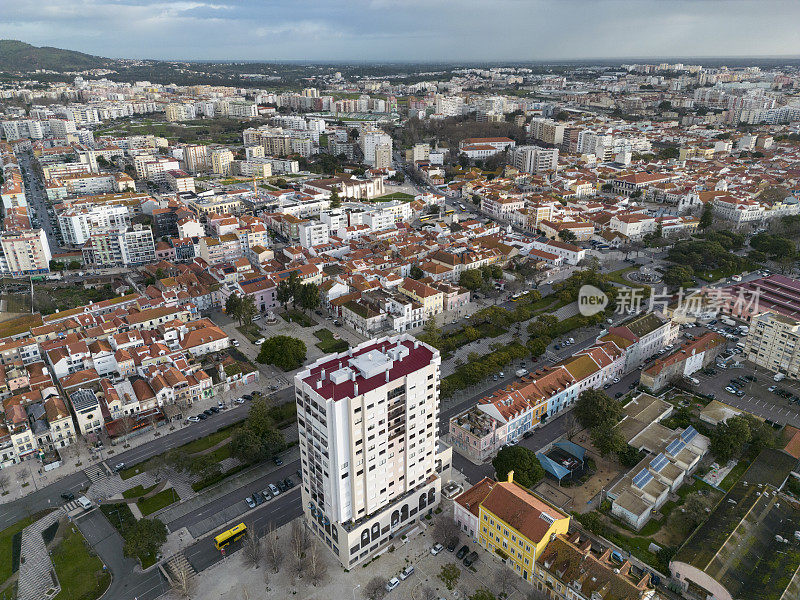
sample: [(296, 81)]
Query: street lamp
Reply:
[(354, 591)]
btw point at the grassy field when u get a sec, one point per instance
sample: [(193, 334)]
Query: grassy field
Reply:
[(80, 571), (297, 316), (251, 332), (137, 491), (401, 196), (6, 540), (158, 501), (17, 303), (329, 344)]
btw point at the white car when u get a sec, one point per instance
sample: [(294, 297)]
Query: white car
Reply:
[(436, 549), (240, 401), (272, 488), (260, 341), (392, 583), (407, 572), (193, 419), (235, 343), (616, 379)]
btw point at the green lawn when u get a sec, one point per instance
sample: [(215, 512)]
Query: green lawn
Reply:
[(402, 196), (328, 344), (251, 332), (6, 542), (296, 316), (79, 570), (618, 277), (158, 501), (137, 491)]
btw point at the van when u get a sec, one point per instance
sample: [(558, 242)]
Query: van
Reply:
[(521, 372), (694, 380), (779, 377), (85, 503)]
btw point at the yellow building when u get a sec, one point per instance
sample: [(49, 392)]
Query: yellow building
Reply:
[(517, 526), (432, 300)]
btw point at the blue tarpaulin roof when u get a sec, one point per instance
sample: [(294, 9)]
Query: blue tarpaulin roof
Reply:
[(552, 467), (577, 451)]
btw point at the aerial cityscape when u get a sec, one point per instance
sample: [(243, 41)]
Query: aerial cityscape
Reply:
[(400, 300)]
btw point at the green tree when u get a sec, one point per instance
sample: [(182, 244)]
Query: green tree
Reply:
[(449, 574), (336, 202), (669, 152), (527, 470), (607, 439), (257, 439), (247, 309), (416, 272), (284, 293), (309, 296), (145, 538), (283, 351), (567, 235), (595, 408), (678, 275), (728, 438), (707, 217), (233, 307), (483, 594), (295, 284), (693, 512), (471, 279)]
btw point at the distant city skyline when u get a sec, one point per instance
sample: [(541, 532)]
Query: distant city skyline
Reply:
[(409, 30)]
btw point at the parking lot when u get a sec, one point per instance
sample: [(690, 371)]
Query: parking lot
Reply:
[(756, 398)]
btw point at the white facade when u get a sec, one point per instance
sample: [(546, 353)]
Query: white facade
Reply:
[(367, 422)]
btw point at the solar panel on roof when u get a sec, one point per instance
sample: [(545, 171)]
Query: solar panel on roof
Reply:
[(642, 478), (689, 434), (659, 462), (675, 446)]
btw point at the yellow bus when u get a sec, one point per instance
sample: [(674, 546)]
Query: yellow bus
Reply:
[(232, 535)]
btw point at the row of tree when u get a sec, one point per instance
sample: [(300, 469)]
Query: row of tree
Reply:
[(293, 290)]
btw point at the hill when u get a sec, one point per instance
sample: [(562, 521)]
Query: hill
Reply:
[(18, 56)]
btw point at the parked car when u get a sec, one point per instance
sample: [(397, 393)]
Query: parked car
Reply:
[(273, 490), (250, 502), (259, 498), (452, 544), (462, 552), (436, 548), (68, 496), (235, 343), (392, 583), (772, 388), (288, 483), (247, 396), (202, 416), (281, 486), (470, 558), (407, 572), (119, 466), (214, 409), (193, 419), (208, 412), (277, 460), (239, 401)]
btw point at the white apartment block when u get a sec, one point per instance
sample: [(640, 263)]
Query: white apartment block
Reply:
[(180, 112), (221, 161), (368, 421), (547, 130), (533, 159), (195, 158), (24, 252), (377, 149), (313, 233), (78, 223), (449, 106), (773, 342)]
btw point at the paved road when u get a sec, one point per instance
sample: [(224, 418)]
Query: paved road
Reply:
[(35, 196), (50, 495)]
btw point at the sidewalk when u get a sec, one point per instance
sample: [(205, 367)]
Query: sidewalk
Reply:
[(80, 456)]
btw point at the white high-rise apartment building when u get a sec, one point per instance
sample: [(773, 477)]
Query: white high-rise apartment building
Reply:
[(377, 149), (195, 158), (371, 462), (533, 159), (449, 106)]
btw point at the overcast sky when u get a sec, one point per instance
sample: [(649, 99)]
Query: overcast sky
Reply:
[(407, 30)]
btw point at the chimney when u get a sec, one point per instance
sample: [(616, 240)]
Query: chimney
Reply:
[(387, 375), (355, 389), (511, 476), (319, 383), (322, 375)]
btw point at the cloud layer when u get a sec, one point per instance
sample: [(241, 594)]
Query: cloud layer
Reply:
[(407, 30)]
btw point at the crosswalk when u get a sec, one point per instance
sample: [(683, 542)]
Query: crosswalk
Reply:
[(96, 472), (179, 570)]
